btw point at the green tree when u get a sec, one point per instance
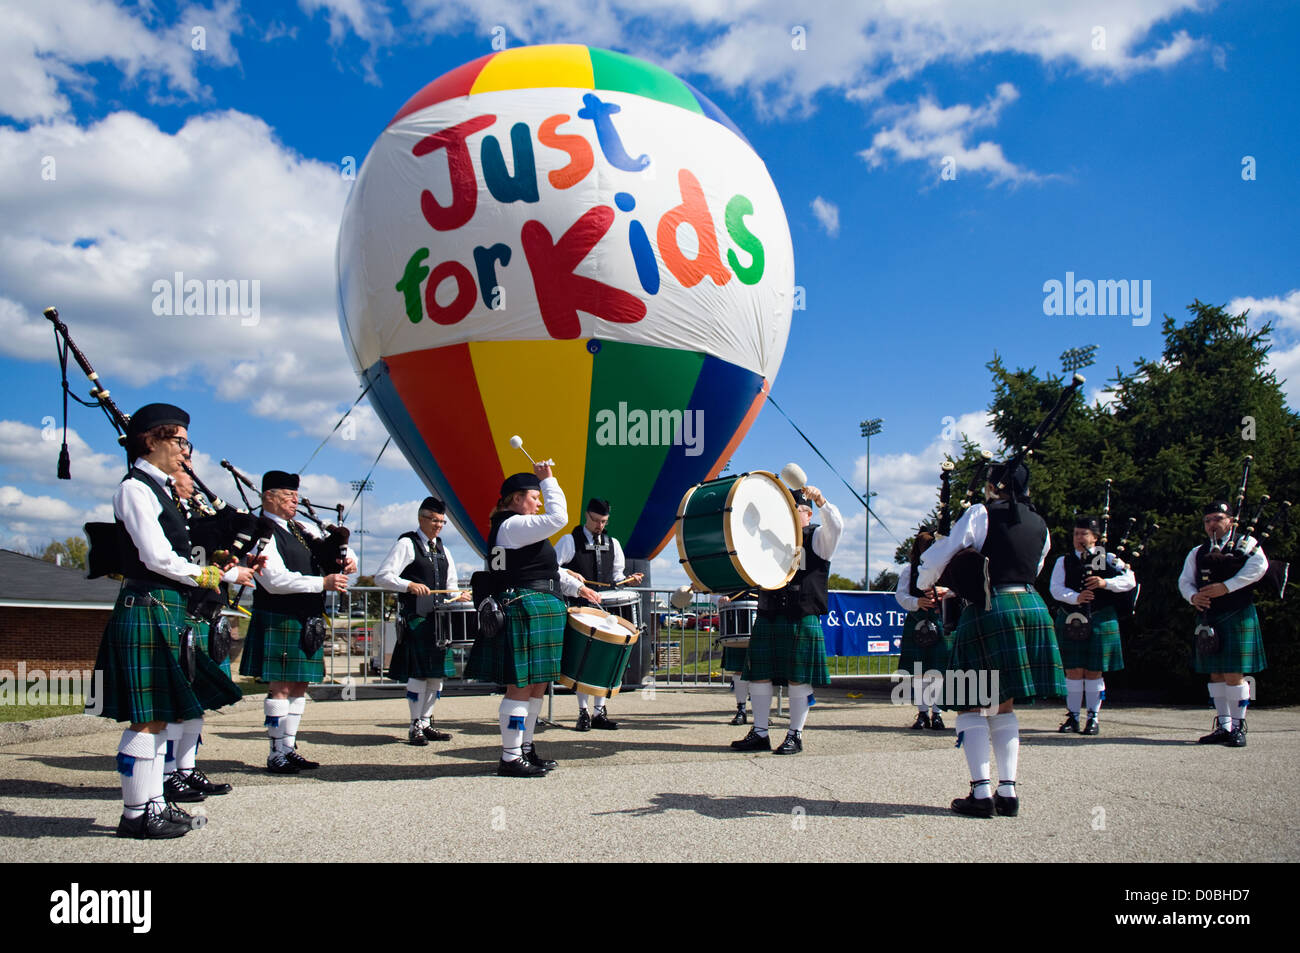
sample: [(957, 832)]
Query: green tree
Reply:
[(886, 581), (73, 550), (837, 581)]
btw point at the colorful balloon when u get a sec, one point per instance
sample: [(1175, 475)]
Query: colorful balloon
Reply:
[(575, 246)]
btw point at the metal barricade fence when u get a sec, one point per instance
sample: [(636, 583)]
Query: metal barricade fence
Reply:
[(677, 648)]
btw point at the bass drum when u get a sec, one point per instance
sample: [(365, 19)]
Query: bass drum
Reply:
[(739, 532), (624, 604), (597, 647)]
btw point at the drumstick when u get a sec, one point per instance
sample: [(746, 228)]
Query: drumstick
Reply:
[(518, 443)]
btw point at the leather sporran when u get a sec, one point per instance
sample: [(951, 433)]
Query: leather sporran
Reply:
[(926, 633), (313, 635), (1078, 628), (1208, 640), (219, 640), (491, 619), (187, 641)]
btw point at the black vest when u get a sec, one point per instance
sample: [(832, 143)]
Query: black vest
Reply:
[(297, 558), (172, 521), (1013, 550), (584, 559), (531, 563), (805, 594), (428, 570), (1076, 569), (1220, 567)]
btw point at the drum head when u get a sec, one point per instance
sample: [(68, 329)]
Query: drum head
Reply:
[(763, 530), (617, 597), (602, 625)]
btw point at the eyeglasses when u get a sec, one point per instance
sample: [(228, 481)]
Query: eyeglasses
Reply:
[(435, 520), (288, 496), (184, 444)]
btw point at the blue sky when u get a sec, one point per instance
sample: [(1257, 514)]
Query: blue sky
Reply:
[(1102, 139)]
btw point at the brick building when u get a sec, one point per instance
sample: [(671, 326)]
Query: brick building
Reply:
[(51, 617)]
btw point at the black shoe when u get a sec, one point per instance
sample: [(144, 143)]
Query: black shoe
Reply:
[(199, 782), (602, 721), (433, 734), (972, 806), (1070, 725), (753, 742), (177, 815), (1006, 806), (936, 722), (1091, 727), (922, 720), (533, 758), (151, 825), (739, 717), (301, 763), (519, 768), (793, 744), (1237, 737), (178, 791), (1218, 736), (279, 764), (584, 720), (415, 736)]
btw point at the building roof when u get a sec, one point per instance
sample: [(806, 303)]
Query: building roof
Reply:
[(28, 580)]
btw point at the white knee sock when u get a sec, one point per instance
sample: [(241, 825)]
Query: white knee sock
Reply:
[(1073, 695), (530, 725), (276, 711), (1096, 694), (513, 717), (918, 693), (933, 692), (760, 696), (600, 703), (1238, 697), (973, 739), (172, 732), (432, 692), (159, 760), (135, 754), (584, 701), (801, 699), (1004, 730), (188, 747), (741, 688), (1219, 693), (415, 688), (291, 721)]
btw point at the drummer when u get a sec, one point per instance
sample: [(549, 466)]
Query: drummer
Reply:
[(420, 565), (733, 661), (598, 558), (787, 646), (527, 582)]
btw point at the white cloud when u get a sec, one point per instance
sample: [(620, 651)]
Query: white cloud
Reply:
[(1284, 356), (924, 131), (45, 47), (828, 214), (1285, 308), (28, 455)]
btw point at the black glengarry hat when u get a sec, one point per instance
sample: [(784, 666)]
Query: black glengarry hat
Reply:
[(279, 480), (156, 415), (520, 481)]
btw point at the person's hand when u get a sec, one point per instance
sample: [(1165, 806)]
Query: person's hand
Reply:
[(942, 592), (815, 495), (1087, 595), (590, 595), (926, 601), (1213, 591), (336, 582), (417, 589), (1094, 582), (257, 563), (350, 567), (464, 596), (542, 471), (244, 577), (634, 578)]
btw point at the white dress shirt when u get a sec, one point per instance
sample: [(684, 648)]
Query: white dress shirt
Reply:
[(971, 532), (1253, 571), (138, 509), (564, 551), (276, 578), (827, 536), (518, 531), (903, 591), (1061, 593), (402, 555)]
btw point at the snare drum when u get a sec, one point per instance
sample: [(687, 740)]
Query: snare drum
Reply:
[(597, 647), (739, 532), (736, 625), (624, 604), (457, 624)]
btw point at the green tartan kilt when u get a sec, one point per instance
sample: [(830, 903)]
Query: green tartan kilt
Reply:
[(1014, 638), (527, 651), (273, 650), (138, 655), (417, 655), (1101, 651), (1243, 644), (733, 660), (787, 651), (933, 658)]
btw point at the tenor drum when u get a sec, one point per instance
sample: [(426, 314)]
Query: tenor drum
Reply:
[(597, 647), (624, 604), (736, 623), (739, 532)]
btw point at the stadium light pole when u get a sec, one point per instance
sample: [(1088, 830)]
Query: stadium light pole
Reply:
[(362, 487), (1075, 358), (869, 429)]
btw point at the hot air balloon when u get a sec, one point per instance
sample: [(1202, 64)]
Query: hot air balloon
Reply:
[(576, 246)]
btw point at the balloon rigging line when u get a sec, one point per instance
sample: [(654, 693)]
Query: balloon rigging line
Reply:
[(833, 470), (361, 486), (336, 427)]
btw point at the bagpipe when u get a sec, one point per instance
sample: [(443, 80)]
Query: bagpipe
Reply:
[(1098, 563), (329, 550), (1223, 562), (927, 631)]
